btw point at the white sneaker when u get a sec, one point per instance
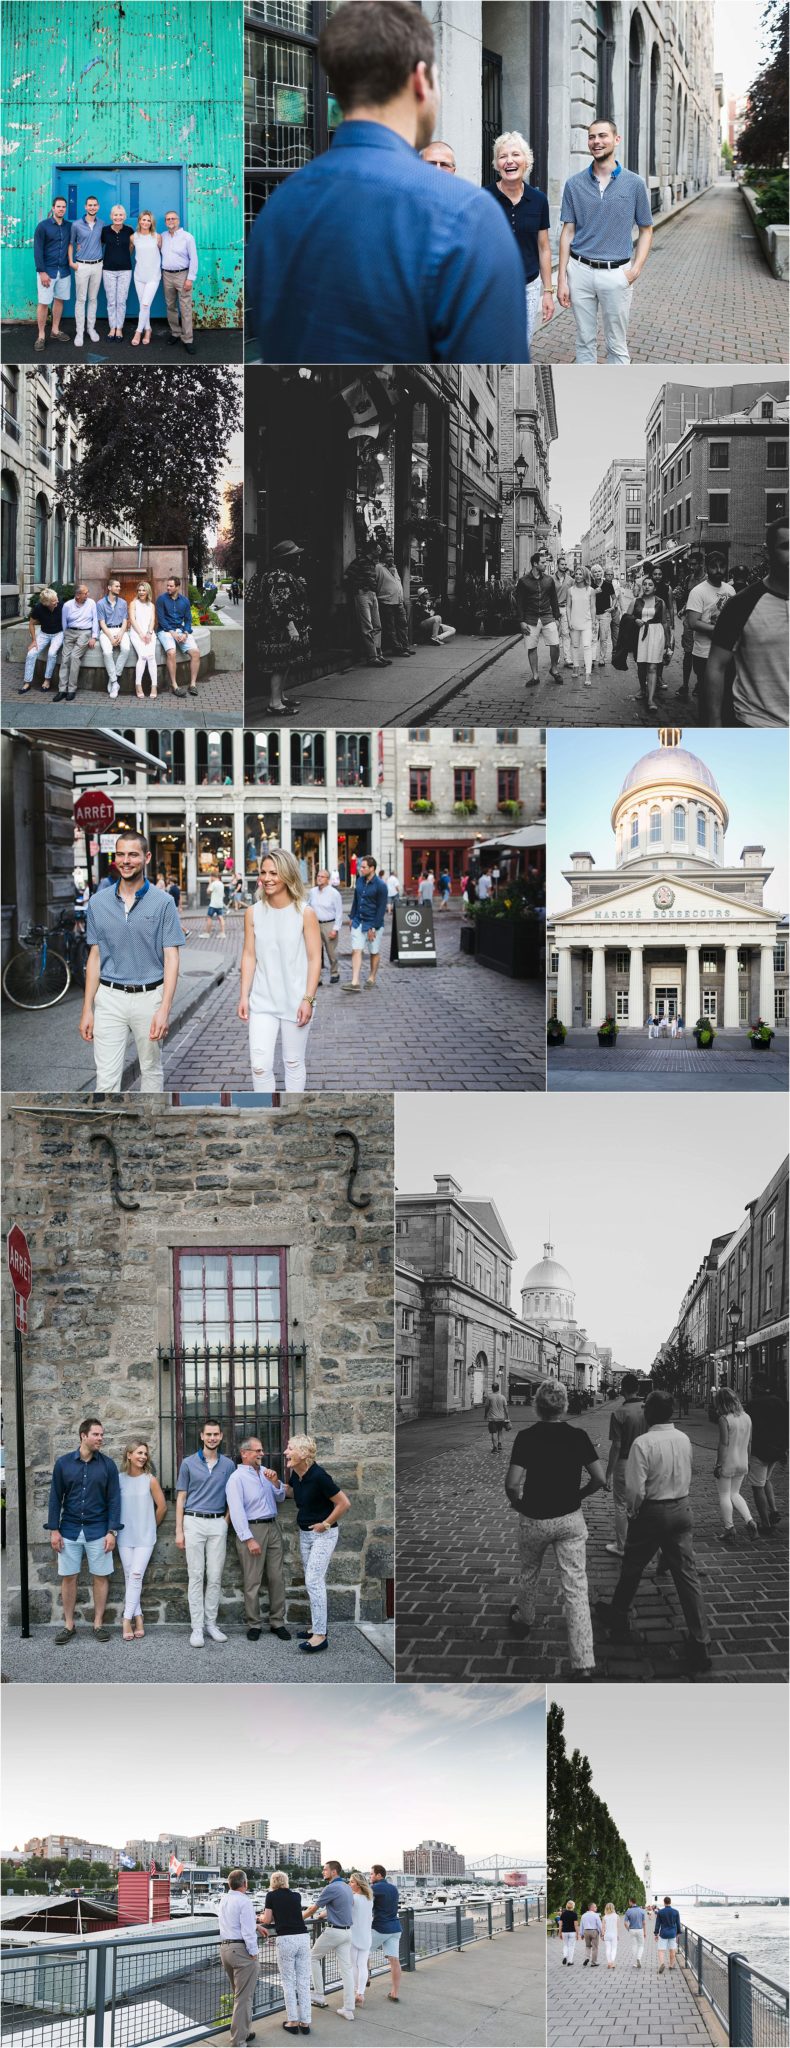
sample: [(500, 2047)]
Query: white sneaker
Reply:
[(113, 689), (215, 1633), (343, 2014), (78, 341), (92, 333), (196, 1639)]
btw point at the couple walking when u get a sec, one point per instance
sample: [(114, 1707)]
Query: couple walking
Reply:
[(359, 1913)]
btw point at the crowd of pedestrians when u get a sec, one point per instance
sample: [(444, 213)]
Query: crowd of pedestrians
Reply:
[(592, 1928)]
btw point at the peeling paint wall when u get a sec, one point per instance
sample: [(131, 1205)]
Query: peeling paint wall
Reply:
[(125, 82)]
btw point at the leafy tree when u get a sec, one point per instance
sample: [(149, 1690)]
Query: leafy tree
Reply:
[(587, 1857), (229, 551), (153, 447), (77, 1870), (763, 139), (673, 1373)]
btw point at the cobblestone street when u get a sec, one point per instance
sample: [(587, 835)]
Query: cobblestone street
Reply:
[(501, 695), (456, 1571), (705, 296), (639, 1064), (621, 2006)]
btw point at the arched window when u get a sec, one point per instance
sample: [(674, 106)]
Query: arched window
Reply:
[(42, 539), (655, 83), (59, 548), (635, 829), (635, 54), (604, 63), (702, 829), (10, 501), (716, 838), (655, 825), (679, 822)]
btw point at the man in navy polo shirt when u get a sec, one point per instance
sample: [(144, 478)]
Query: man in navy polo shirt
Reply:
[(598, 264), (365, 255), (83, 1518), (134, 934), (53, 271)]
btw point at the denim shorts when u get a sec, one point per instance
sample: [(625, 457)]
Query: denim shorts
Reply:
[(168, 642), (360, 941), (388, 1943), (75, 1548)]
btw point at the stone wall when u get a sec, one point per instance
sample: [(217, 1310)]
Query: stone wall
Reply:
[(102, 1302)]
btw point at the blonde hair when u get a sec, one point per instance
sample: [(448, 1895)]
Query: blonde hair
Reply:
[(147, 588), (611, 1908), (279, 1880), (47, 593), (516, 141), (305, 1447), (146, 215), (288, 871), (361, 1882), (133, 1444)]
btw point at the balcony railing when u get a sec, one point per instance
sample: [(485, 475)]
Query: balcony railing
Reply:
[(750, 2006)]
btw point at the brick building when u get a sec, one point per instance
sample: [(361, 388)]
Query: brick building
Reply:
[(455, 787), (745, 1270), (672, 412), (433, 1859), (617, 515), (725, 479)]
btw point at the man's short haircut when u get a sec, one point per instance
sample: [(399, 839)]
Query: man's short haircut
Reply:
[(91, 195), (667, 1899), (59, 200), (175, 579), (91, 1422), (659, 1407), (370, 861), (237, 1879), (629, 1383), (551, 1398), (331, 1864), (537, 555), (379, 1869), (248, 1442), (772, 532), (369, 53), (210, 1422), (139, 836), (603, 121)]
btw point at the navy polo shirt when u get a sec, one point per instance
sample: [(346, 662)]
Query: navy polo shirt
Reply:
[(367, 255), (525, 222), (131, 944)]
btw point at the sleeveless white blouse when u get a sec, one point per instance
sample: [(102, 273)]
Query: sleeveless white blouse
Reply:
[(280, 961), (137, 1509)]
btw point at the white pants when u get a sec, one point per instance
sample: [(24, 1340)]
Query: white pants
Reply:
[(337, 1941), (146, 657), (581, 644), (316, 1553), (360, 1958), (568, 1946), (603, 639), (607, 290), (115, 1016), (534, 296), (638, 1943), (135, 1558), (610, 1945), (264, 1031), (116, 292), (293, 1963), (729, 1492), (87, 279), (146, 293), (49, 642), (565, 634), (206, 1543), (115, 658)]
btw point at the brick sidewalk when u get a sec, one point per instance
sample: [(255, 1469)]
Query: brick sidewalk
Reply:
[(638, 1063), (220, 695), (456, 1571), (706, 294), (411, 691), (501, 695), (621, 2007)]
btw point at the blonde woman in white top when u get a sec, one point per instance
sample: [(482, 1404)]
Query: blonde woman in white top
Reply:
[(732, 1461), (146, 245), (280, 973), (610, 1935), (580, 612), (361, 1933), (142, 633)]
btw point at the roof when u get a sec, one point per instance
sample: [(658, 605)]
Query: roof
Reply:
[(548, 1273), (98, 741), (669, 764), (486, 1216), (526, 836)]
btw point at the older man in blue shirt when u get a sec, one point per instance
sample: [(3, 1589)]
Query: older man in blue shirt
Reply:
[(86, 257), (179, 270), (80, 631), (252, 1497), (83, 1518), (364, 255), (53, 274), (174, 630), (134, 934), (598, 264)]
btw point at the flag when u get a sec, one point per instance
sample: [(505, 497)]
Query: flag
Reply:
[(126, 1862), (152, 1868), (175, 1868)]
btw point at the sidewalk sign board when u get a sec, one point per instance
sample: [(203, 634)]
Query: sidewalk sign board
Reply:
[(412, 940)]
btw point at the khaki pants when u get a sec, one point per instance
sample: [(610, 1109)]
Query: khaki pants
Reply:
[(591, 1940), (75, 642), (242, 1969), (87, 279), (333, 1941), (177, 300), (268, 1565), (330, 946)]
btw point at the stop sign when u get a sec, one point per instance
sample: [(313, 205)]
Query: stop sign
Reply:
[(94, 808), (20, 1264)]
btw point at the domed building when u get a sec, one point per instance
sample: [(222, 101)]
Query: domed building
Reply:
[(674, 928), (548, 1298)]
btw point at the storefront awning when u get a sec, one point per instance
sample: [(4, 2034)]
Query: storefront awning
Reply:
[(526, 836), (97, 742), (764, 1336)]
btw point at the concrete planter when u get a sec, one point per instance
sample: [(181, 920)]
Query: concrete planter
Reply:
[(509, 946), (607, 1039), (774, 241), (761, 1044)]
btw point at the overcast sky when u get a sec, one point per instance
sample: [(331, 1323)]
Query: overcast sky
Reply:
[(590, 435), (737, 42), (370, 1769), (633, 1193), (587, 768), (685, 1779)]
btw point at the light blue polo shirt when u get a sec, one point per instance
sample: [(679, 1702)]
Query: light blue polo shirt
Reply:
[(605, 216), (86, 240), (204, 1485), (131, 943)]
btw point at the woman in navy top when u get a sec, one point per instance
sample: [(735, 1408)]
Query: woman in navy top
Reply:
[(320, 1503), (526, 210), (116, 242)]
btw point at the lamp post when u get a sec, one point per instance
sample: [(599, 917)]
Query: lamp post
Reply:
[(734, 1320)]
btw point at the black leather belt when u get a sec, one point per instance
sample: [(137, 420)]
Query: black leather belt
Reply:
[(207, 1514), (597, 263), (131, 988), (89, 261)]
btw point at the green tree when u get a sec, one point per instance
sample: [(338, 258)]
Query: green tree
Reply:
[(77, 1870), (674, 1371), (229, 551), (762, 142), (587, 1857)]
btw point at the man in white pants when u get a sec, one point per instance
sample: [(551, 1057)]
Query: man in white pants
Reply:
[(86, 259), (134, 933), (598, 263), (202, 1529), (113, 616), (635, 1920), (335, 1904)]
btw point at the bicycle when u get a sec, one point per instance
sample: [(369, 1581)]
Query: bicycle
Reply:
[(40, 976)]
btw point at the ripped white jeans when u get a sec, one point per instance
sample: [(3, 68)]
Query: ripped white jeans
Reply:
[(135, 1558), (263, 1039)]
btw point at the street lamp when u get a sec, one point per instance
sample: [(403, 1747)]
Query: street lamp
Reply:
[(519, 472), (734, 1320)]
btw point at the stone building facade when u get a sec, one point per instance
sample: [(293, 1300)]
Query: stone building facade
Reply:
[(453, 789), (617, 519), (528, 426), (745, 1268), (40, 540), (231, 1262)]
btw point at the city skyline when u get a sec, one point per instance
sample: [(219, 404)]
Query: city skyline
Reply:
[(422, 1752)]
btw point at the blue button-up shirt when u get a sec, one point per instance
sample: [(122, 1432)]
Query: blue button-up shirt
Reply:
[(251, 1498), (205, 1486), (174, 614), (51, 246), (367, 255), (132, 941), (85, 1494), (369, 902), (112, 612), (80, 618), (604, 216), (179, 251), (86, 240)]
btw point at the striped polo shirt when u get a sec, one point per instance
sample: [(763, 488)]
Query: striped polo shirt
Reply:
[(131, 941), (604, 216)]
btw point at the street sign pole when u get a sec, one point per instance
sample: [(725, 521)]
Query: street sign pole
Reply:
[(21, 1472)]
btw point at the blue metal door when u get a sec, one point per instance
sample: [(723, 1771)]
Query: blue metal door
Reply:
[(158, 188)]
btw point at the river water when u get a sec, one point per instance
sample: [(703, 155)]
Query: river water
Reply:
[(758, 1932)]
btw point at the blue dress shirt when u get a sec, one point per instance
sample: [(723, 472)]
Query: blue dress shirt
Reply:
[(86, 240), (131, 943), (112, 612), (368, 255), (85, 1493), (51, 246), (251, 1498), (371, 896), (174, 614)]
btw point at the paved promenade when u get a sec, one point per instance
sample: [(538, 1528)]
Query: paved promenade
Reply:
[(640, 1064), (624, 2007), (457, 1571)]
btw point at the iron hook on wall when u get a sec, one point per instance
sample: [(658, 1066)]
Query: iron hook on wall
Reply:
[(121, 1200), (356, 1201)]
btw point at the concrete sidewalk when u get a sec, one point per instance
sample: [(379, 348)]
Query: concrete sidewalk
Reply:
[(492, 1995), (640, 1064), (43, 1048), (624, 2007), (410, 692), (164, 1657)]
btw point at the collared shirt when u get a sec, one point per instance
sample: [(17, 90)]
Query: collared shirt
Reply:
[(367, 254), (85, 1494), (112, 611), (385, 1906), (179, 251), (591, 1923), (604, 216), (80, 618), (659, 1465), (132, 941), (51, 246), (251, 1498), (236, 1918), (86, 240), (369, 907), (173, 614), (48, 616), (338, 1898), (327, 904), (116, 244), (536, 598), (634, 1918), (205, 1485), (526, 221)]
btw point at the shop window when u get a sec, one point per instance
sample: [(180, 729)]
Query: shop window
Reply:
[(353, 760), (262, 758), (260, 833), (308, 760)]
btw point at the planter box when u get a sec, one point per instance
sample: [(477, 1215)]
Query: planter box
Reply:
[(468, 937), (760, 1044), (774, 241), (509, 946), (607, 1038), (554, 1041), (704, 1044)]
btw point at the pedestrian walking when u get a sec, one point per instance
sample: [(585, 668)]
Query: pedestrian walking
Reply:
[(496, 1416), (666, 1932), (366, 918), (598, 264), (280, 973), (393, 889), (526, 210), (768, 1414), (202, 1529), (84, 1518), (134, 934), (238, 1948), (604, 595), (320, 1506), (658, 1486), (569, 1928), (45, 626), (117, 242), (51, 245), (252, 1495), (147, 272), (335, 1905), (426, 887), (635, 1919), (80, 631), (179, 270), (538, 609), (625, 1424), (610, 1931), (445, 887), (282, 1911), (591, 1930), (327, 903), (361, 1933), (544, 1485), (143, 1508), (704, 603), (563, 579), (580, 615), (649, 614), (386, 1925), (750, 637), (732, 1462), (215, 905)]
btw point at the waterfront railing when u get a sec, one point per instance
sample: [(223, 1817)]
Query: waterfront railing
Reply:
[(752, 2008)]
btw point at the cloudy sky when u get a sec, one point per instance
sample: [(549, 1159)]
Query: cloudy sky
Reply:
[(714, 1807), (370, 1769), (632, 1199), (737, 42)]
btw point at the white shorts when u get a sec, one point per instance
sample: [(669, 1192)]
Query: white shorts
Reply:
[(168, 641), (665, 1942), (548, 628), (58, 288), (360, 943)]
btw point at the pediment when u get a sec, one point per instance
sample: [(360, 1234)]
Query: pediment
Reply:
[(661, 901)]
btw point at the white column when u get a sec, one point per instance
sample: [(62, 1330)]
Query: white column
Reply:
[(564, 987), (598, 997), (636, 1002), (731, 1017), (692, 997), (767, 984)]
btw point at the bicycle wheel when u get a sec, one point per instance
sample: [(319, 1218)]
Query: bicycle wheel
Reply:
[(36, 979)]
